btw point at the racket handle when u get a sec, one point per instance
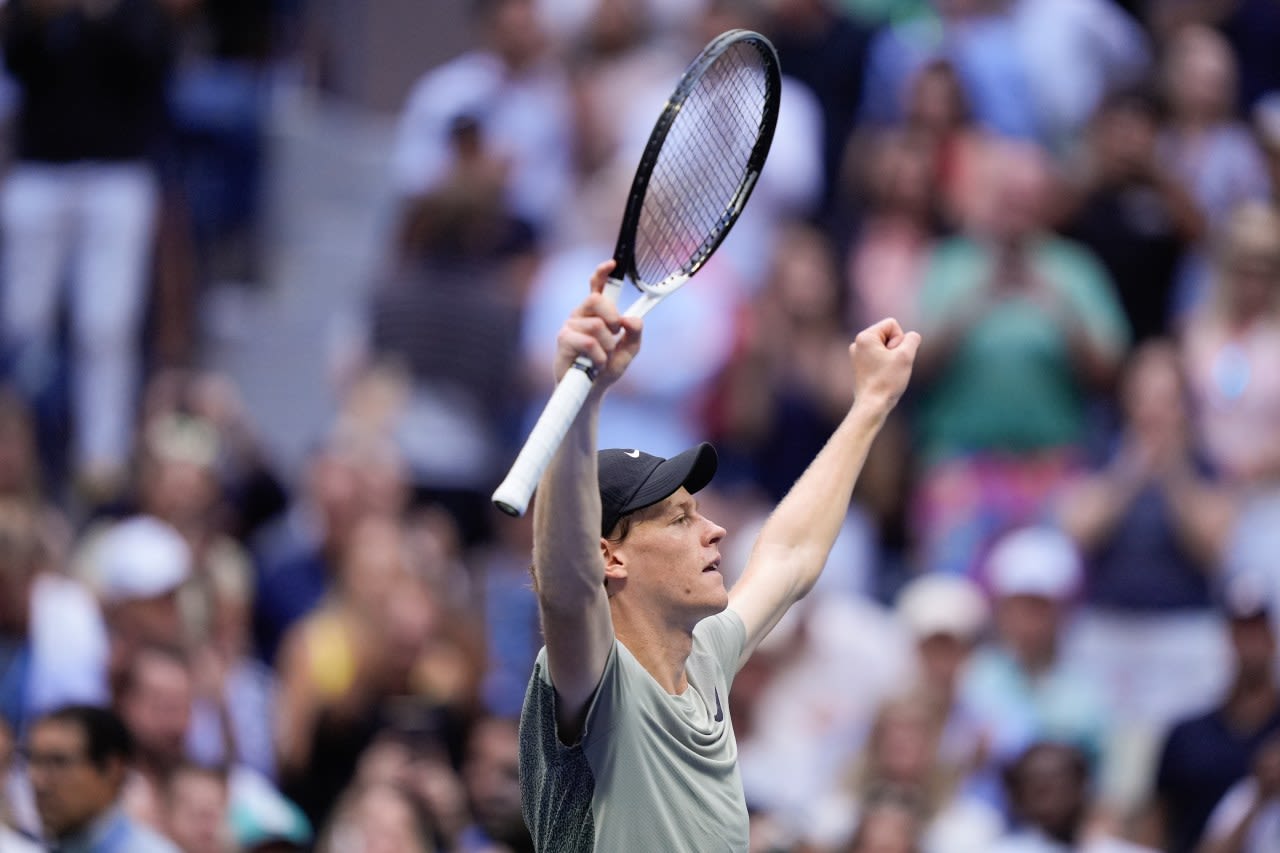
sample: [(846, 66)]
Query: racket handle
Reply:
[(512, 496)]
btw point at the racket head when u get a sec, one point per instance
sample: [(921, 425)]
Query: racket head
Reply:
[(701, 162)]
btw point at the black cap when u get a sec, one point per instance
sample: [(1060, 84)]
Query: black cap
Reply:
[(632, 479)]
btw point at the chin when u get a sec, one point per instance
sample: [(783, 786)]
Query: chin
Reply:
[(719, 603)]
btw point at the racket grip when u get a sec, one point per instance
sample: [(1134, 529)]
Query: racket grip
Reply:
[(512, 496)]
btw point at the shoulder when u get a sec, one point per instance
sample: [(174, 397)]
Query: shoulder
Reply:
[(1071, 255), (470, 70), (1192, 731), (140, 839), (12, 842)]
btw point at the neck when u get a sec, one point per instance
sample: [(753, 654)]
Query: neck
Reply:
[(91, 828), (661, 647), (1037, 662), (1252, 701)]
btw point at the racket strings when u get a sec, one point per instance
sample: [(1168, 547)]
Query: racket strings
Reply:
[(702, 166)]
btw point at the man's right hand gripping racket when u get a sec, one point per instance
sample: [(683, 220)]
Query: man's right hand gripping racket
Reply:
[(694, 178)]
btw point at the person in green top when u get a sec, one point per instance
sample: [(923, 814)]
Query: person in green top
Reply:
[(1023, 328), (626, 740)]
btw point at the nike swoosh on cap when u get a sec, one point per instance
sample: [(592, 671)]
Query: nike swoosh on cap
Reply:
[(634, 454)]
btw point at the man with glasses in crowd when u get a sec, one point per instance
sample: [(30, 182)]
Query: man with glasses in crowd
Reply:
[(77, 758)]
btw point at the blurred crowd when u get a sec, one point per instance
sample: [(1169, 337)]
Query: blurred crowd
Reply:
[(1050, 622)]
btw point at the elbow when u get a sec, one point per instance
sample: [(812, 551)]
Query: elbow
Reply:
[(559, 598)]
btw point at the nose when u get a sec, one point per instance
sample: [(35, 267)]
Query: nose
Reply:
[(714, 532)]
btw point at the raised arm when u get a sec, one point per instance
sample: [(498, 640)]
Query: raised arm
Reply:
[(792, 547), (568, 571)]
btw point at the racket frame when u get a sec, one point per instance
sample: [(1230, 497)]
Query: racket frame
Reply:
[(513, 495)]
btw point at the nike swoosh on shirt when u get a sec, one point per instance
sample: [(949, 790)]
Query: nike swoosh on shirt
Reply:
[(719, 710)]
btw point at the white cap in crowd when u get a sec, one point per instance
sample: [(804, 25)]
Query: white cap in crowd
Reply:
[(1036, 561), (943, 604), (141, 557)]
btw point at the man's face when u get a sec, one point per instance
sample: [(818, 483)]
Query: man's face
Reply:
[(492, 777), (197, 812), (942, 656), (157, 707), (671, 556), (1254, 642), (1050, 790), (70, 790), (1028, 625)]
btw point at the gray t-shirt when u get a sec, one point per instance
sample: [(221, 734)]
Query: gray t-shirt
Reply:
[(652, 771)]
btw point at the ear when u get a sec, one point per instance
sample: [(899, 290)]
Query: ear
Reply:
[(115, 771), (615, 565)]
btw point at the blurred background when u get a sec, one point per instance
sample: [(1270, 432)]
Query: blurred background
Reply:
[(279, 288)]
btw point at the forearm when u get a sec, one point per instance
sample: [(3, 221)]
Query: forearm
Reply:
[(1095, 363), (799, 534), (1187, 217), (1234, 841), (1202, 514), (566, 519), (1089, 514)]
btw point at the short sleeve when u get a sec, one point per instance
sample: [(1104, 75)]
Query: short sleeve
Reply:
[(1230, 810), (1091, 290), (724, 636)]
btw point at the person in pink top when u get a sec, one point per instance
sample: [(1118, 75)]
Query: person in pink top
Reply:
[(1231, 346)]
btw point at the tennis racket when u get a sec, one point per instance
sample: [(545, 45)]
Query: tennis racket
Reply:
[(695, 176)]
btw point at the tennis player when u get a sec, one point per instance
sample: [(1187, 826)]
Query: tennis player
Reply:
[(626, 743)]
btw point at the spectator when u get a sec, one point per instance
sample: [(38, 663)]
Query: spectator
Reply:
[(891, 822), (1152, 523), (1247, 820), (154, 701), (1021, 686), (378, 818), (1099, 41), (1203, 756), (1226, 344), (946, 617), (1021, 328), (1050, 793), (11, 840), (1266, 124), (195, 809), (779, 397), (790, 186), (1137, 217), (980, 39), (801, 707), (53, 639), (518, 100), (889, 249), (77, 758), (339, 664), (139, 568), (513, 635), (823, 47), (1204, 145), (84, 194), (938, 109), (463, 258), (901, 218), (491, 777), (207, 408), (346, 479), (262, 821), (22, 478), (234, 691), (902, 751)]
